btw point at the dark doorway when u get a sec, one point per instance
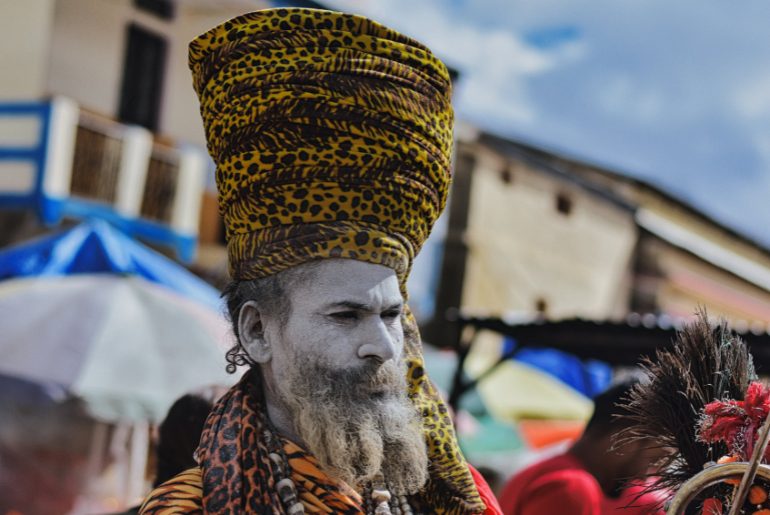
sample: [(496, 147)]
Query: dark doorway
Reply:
[(143, 72), (161, 8)]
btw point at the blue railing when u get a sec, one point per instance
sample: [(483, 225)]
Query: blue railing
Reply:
[(35, 157), (36, 154)]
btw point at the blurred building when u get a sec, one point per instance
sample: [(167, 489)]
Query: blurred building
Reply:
[(98, 119), (533, 232), (98, 116)]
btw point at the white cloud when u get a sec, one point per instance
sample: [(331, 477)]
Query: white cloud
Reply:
[(752, 98), (623, 97), (494, 63), (674, 92)]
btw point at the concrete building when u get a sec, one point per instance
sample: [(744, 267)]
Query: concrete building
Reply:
[(528, 230), (99, 118), (534, 233), (108, 54)]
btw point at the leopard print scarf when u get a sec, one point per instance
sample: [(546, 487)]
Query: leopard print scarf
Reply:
[(236, 470)]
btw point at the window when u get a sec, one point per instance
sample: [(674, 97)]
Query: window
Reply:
[(143, 72), (563, 204), (161, 8)]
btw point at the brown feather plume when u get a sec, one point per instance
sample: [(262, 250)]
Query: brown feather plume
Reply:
[(707, 362)]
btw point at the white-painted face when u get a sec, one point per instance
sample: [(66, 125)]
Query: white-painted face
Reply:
[(349, 312), (346, 313), (333, 375)]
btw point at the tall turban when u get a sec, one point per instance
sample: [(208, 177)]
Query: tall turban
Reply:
[(332, 137)]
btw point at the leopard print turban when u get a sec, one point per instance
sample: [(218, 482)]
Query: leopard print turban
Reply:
[(331, 135)]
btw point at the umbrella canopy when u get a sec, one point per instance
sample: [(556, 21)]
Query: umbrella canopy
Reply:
[(96, 246), (544, 433), (515, 390), (28, 393), (126, 346), (589, 377)]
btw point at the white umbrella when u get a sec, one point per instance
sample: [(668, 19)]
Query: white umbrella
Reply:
[(128, 347)]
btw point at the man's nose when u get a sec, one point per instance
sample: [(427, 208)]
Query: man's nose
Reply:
[(379, 343)]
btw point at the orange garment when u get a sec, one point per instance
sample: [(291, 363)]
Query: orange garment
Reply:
[(183, 495), (236, 474)]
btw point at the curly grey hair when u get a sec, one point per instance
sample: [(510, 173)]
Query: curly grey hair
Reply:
[(271, 294)]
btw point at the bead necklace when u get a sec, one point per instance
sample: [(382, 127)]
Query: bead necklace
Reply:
[(280, 468), (377, 499)]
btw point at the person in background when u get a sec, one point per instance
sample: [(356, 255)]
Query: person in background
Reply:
[(178, 437), (591, 478), (492, 476)]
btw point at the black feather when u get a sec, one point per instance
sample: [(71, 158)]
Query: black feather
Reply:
[(707, 362)]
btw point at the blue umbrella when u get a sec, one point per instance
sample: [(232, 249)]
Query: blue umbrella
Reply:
[(590, 377), (16, 390), (95, 247)]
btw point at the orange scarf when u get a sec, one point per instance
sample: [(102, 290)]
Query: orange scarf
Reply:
[(237, 472), (236, 476)]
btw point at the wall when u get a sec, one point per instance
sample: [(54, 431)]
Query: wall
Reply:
[(26, 27), (180, 117), (675, 213), (687, 282), (710, 266), (522, 251), (87, 54)]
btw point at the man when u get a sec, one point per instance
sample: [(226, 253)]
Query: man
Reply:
[(588, 479), (332, 137)]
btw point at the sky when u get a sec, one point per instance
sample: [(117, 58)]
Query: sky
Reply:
[(674, 93)]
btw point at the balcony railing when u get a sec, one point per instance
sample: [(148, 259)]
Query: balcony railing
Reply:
[(65, 162), (161, 185), (96, 163)]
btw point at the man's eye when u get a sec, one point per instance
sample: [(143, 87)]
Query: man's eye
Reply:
[(392, 314), (344, 315)]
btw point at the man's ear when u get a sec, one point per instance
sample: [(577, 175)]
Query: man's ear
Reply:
[(252, 333)]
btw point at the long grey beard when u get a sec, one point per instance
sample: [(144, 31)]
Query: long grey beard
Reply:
[(358, 423)]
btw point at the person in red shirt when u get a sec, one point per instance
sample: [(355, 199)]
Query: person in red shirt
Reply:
[(591, 477)]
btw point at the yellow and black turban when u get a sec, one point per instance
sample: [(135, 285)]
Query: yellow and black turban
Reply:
[(332, 138), (331, 135)]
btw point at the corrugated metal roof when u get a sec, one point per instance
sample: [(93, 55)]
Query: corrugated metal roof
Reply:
[(619, 343)]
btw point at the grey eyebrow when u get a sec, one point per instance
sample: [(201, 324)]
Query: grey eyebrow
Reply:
[(357, 306), (397, 305), (351, 305)]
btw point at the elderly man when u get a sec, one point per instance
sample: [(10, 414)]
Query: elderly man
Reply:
[(332, 137)]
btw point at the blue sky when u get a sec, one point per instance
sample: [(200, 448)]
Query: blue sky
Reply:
[(676, 93)]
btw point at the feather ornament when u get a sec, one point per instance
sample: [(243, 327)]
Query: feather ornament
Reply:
[(690, 406)]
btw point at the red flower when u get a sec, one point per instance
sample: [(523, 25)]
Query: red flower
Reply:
[(736, 423), (757, 402), (722, 421)]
